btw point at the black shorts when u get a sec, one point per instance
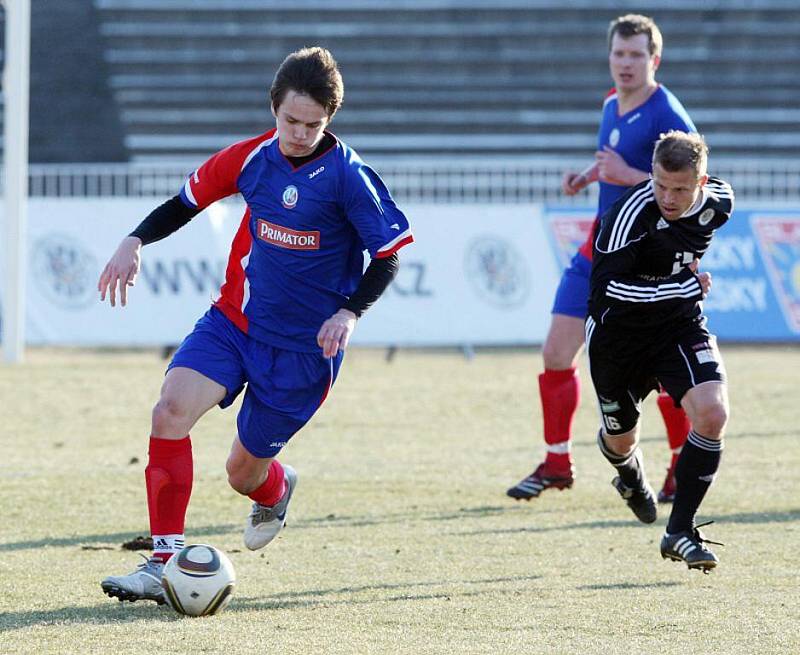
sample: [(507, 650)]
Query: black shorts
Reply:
[(626, 366)]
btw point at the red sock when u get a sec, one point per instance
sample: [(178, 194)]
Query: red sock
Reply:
[(168, 477), (676, 422), (560, 392), (272, 488)]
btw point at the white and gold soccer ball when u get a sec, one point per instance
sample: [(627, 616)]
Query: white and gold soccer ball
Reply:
[(198, 581)]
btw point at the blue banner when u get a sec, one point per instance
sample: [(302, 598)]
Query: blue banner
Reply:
[(755, 265)]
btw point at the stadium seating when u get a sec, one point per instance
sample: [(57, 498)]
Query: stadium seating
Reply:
[(426, 76)]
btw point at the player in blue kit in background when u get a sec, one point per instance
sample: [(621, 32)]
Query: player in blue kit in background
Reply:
[(635, 113), (294, 288)]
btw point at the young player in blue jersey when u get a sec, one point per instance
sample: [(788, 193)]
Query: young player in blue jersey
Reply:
[(636, 111), (294, 288)]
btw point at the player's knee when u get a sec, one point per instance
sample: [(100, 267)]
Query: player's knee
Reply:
[(242, 479), (557, 356), (170, 414), (710, 420), (622, 445), (242, 482)]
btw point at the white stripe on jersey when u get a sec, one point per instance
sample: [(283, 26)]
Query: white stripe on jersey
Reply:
[(395, 241), (719, 189), (669, 291), (589, 329), (187, 189), (246, 286), (626, 217), (255, 150)]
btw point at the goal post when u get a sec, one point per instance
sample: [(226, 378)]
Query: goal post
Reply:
[(16, 80)]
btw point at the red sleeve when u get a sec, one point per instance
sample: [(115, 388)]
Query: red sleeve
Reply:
[(586, 248), (218, 177)]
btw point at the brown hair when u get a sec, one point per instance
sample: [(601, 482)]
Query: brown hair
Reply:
[(676, 151), (312, 72), (632, 24)]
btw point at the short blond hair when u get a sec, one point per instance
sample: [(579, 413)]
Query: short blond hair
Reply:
[(677, 151)]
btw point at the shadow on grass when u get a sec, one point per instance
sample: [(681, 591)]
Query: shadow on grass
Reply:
[(116, 538), (327, 597), (111, 613), (112, 538), (583, 525), (332, 520), (117, 613), (765, 434), (627, 585), (789, 516)]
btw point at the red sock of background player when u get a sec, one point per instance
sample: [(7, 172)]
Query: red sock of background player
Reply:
[(168, 476), (677, 424), (560, 392), (271, 490)]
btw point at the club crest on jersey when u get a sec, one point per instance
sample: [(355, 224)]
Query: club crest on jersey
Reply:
[(289, 198), (613, 138), (706, 216)]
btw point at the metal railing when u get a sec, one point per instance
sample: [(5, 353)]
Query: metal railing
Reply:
[(430, 180)]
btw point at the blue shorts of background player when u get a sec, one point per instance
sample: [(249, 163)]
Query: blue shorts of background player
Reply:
[(572, 296), (284, 388)]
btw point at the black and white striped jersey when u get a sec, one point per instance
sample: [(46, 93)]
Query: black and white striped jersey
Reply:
[(640, 264)]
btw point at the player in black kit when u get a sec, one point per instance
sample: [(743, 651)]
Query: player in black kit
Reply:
[(645, 327)]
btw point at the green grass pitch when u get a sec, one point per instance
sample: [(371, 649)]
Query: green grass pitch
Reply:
[(400, 536)]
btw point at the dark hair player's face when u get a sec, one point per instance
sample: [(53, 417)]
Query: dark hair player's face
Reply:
[(630, 62), (301, 121)]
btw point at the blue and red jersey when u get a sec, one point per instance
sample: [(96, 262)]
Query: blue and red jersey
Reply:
[(298, 252), (633, 135)]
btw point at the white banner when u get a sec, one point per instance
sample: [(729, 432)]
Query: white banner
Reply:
[(476, 274)]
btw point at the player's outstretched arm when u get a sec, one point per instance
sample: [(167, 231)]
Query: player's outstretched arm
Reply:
[(121, 269)]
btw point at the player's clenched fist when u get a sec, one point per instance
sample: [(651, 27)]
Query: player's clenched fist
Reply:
[(334, 334), (122, 269)]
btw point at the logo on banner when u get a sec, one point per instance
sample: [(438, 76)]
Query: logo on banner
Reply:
[(569, 231), (497, 271), (779, 242), (64, 271), (289, 198)]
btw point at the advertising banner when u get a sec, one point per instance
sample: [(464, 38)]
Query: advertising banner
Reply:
[(754, 260), (476, 274)]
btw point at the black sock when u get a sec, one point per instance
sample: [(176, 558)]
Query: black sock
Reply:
[(694, 473), (630, 467)]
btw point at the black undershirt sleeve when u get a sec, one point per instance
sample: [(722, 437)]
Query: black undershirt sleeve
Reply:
[(376, 279), (164, 220)]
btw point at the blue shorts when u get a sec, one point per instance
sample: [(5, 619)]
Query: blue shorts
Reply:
[(284, 388), (572, 296)]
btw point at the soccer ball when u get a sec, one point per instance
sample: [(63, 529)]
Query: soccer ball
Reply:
[(198, 581)]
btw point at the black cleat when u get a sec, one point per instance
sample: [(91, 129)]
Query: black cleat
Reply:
[(641, 501), (689, 546), (542, 478)]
